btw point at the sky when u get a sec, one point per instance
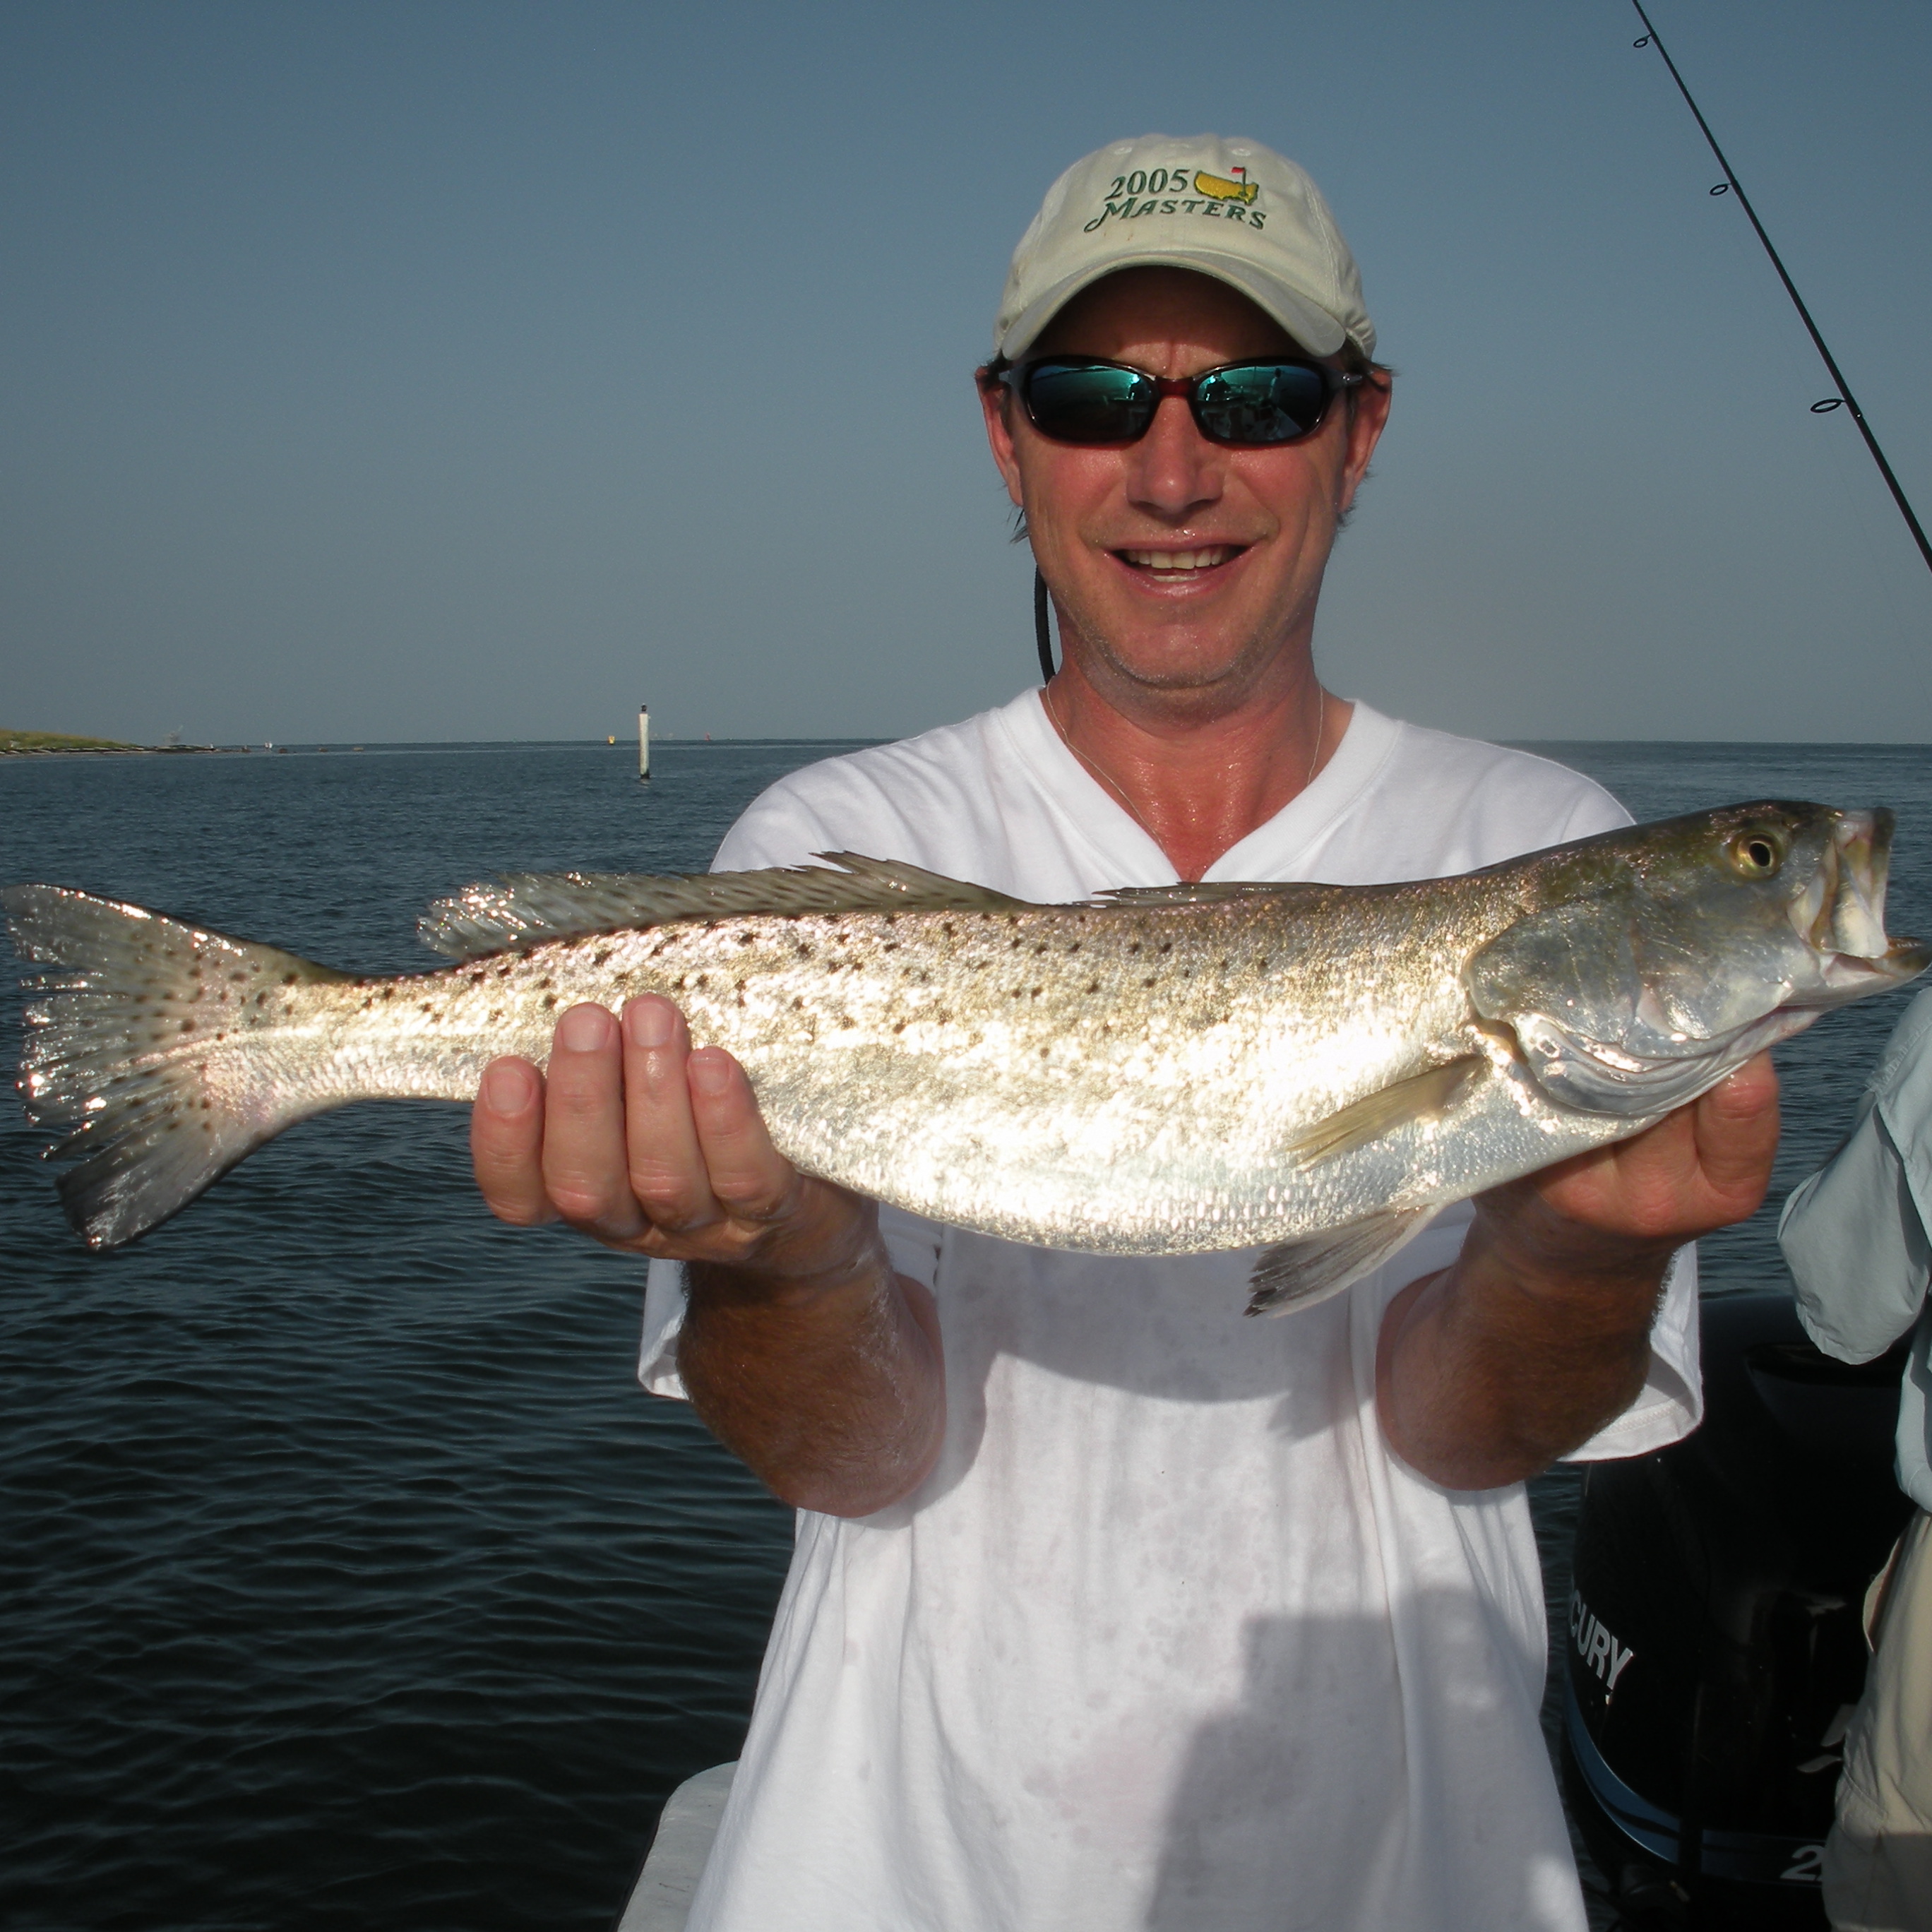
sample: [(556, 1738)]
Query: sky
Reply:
[(456, 369)]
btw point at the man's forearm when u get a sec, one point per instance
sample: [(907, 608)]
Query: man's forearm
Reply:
[(833, 1394), (1491, 1370)]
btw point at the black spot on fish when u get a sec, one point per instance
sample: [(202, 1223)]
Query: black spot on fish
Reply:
[(1135, 947), (803, 950), (188, 1026), (1167, 946), (901, 1026), (1150, 980), (549, 1000), (747, 939), (1093, 985), (496, 1014), (597, 958), (290, 979)]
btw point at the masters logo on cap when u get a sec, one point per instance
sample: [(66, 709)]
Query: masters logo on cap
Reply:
[(1232, 209)]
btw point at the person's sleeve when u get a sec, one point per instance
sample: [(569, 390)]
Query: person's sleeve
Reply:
[(912, 1245), (1854, 1236)]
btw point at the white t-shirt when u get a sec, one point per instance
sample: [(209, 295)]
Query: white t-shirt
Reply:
[(1168, 1639)]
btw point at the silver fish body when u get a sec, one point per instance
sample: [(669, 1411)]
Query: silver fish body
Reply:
[(1162, 1071)]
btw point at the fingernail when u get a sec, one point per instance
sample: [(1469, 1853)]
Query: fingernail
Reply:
[(505, 1090), (650, 1023), (583, 1029), (710, 1070)]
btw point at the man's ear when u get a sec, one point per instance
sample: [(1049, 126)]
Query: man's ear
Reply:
[(1368, 416), (995, 400)]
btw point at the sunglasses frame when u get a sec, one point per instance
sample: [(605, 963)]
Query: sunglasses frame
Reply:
[(1017, 377)]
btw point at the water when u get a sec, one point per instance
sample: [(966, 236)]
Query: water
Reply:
[(348, 1579)]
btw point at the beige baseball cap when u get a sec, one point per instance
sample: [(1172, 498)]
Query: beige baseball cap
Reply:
[(1230, 208)]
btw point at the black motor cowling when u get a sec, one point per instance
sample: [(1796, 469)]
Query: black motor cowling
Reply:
[(1715, 1647)]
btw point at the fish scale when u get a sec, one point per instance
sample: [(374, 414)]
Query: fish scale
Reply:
[(1310, 1069)]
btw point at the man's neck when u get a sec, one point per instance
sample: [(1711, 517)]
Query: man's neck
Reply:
[(1199, 784)]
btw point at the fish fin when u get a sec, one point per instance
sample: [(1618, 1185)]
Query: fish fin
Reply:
[(1208, 891), (1298, 1274), (119, 1052), (1421, 1097), (526, 908)]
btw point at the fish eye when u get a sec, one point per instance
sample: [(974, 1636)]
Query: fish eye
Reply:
[(1756, 854)]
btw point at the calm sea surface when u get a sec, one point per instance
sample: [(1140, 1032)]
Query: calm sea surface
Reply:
[(348, 1579)]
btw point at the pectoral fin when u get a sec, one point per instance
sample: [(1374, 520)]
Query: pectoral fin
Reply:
[(1297, 1274), (1425, 1096)]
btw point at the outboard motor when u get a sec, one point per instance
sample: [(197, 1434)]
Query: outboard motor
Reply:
[(1716, 1647)]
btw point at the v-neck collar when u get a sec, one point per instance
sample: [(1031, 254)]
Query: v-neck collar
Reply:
[(1125, 853)]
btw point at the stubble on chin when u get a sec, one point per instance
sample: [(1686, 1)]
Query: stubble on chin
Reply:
[(1202, 688)]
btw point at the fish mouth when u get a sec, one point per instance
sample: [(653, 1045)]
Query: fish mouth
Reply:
[(1840, 914)]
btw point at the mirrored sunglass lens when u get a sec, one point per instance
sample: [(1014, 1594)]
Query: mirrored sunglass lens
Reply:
[(1274, 402), (1073, 404)]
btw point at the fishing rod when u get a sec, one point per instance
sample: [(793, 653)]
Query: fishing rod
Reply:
[(1730, 184)]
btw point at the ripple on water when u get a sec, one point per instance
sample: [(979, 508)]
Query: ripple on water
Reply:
[(350, 1580)]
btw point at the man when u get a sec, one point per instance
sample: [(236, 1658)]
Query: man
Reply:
[(1858, 1237), (1109, 1608)]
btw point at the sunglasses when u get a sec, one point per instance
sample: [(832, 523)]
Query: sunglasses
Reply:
[(1260, 404)]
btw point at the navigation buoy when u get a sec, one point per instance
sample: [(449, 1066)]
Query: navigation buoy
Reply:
[(643, 742)]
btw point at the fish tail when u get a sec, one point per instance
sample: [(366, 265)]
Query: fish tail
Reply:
[(143, 1039)]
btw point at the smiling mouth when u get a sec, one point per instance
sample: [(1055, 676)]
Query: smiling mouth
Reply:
[(1180, 562)]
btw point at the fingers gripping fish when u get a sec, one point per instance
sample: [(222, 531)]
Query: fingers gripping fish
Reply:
[(1314, 1070)]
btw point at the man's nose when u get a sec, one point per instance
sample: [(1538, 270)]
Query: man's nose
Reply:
[(1173, 468)]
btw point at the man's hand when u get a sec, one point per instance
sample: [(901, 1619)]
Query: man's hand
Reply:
[(801, 1349), (1540, 1334)]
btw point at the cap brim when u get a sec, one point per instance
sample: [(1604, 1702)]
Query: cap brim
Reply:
[(1312, 325)]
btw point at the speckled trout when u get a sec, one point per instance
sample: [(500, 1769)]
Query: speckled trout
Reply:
[(1312, 1070)]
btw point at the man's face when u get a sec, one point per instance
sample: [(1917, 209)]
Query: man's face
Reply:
[(1189, 568)]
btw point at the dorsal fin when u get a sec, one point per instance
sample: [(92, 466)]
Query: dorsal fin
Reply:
[(1207, 892), (526, 908)]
